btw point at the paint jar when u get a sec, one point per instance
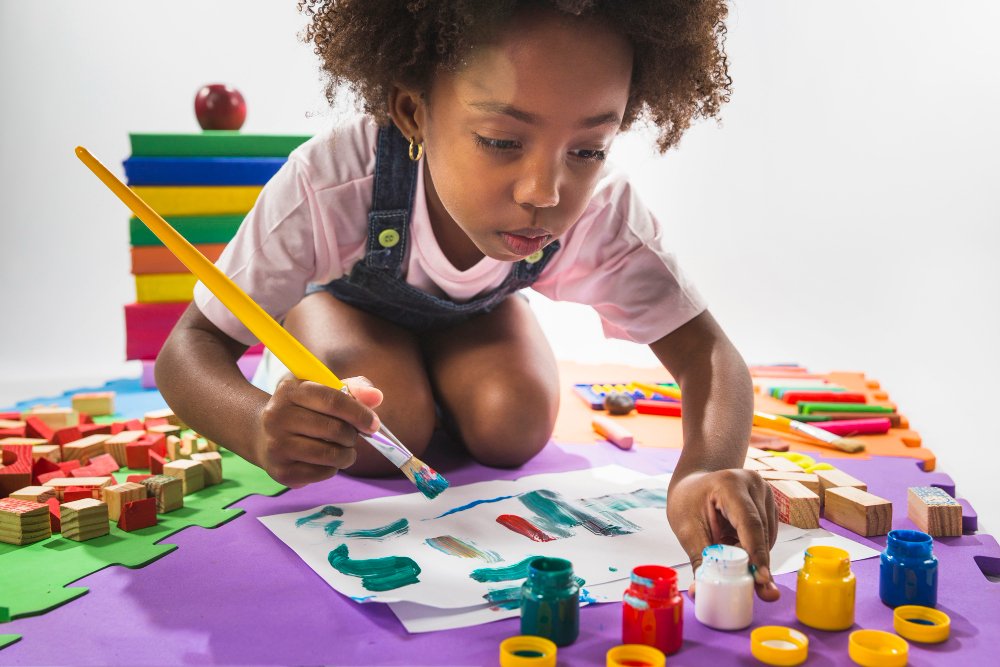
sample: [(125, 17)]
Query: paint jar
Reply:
[(635, 655), (724, 588), (550, 601), (652, 611), (824, 597), (908, 574)]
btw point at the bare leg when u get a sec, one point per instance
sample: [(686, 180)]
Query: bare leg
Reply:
[(352, 342), (496, 375)]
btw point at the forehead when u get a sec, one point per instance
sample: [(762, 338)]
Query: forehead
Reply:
[(559, 68)]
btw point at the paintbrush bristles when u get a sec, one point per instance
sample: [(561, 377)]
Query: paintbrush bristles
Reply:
[(849, 445), (428, 481)]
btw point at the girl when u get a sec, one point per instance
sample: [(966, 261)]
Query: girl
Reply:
[(395, 247)]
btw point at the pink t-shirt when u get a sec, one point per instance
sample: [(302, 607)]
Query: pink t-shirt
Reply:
[(310, 225)]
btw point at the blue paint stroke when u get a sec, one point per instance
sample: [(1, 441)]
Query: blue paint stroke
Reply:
[(329, 510), (394, 529), (455, 510)]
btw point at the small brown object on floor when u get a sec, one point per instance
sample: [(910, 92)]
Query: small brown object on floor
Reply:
[(618, 403)]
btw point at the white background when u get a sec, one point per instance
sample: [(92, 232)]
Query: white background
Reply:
[(844, 215)]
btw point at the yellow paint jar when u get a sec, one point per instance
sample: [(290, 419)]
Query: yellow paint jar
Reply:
[(824, 597)]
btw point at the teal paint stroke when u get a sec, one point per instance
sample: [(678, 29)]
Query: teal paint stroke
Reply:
[(377, 574), (462, 508), (332, 527), (558, 515), (394, 529), (518, 570), (328, 511)]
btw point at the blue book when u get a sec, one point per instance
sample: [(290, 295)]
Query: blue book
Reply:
[(201, 170)]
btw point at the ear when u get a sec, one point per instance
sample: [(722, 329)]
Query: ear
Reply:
[(408, 110)]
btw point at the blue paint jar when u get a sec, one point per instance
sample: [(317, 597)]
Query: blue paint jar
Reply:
[(909, 571), (550, 601)]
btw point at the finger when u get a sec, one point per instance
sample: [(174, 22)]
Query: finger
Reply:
[(694, 536), (763, 581), (297, 475), (323, 399), (362, 389), (300, 449), (315, 425), (746, 519)]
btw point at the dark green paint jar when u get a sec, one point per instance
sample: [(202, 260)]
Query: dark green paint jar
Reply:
[(550, 601)]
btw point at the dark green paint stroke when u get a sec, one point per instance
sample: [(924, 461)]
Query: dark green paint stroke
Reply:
[(329, 510), (377, 574), (332, 527), (517, 570), (394, 529), (552, 509)]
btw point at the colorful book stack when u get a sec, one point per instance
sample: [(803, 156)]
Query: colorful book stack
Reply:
[(203, 184)]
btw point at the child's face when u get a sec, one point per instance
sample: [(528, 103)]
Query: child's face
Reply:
[(515, 139)]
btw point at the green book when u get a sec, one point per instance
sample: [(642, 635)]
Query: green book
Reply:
[(214, 143), (196, 229)]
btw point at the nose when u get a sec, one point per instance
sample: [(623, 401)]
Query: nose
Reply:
[(538, 184)]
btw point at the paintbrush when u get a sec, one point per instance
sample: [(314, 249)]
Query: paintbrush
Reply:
[(300, 361), (816, 435)]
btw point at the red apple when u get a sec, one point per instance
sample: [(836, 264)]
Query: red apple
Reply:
[(220, 107)]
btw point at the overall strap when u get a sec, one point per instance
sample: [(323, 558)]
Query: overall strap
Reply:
[(392, 199)]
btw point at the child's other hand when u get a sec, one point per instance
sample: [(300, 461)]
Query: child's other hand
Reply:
[(726, 507), (307, 431)]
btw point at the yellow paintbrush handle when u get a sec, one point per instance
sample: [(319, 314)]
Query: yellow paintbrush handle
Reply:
[(300, 361)]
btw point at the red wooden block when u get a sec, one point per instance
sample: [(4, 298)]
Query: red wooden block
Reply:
[(94, 429), (117, 427), (68, 434), (34, 427), (43, 467), (13, 416), (71, 493), (44, 477), (137, 479), (134, 425), (87, 471), (16, 470), (54, 515), (105, 463), (156, 463), (156, 421), (156, 441), (67, 466), (138, 514), (85, 419), (137, 455), (19, 432)]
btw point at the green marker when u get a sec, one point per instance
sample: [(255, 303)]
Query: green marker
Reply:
[(806, 407)]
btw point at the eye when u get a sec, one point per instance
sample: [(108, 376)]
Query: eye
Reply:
[(495, 145), (595, 155)]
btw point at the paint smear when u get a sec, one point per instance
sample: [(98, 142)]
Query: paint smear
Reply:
[(456, 510), (377, 574), (332, 527), (557, 515), (394, 529), (524, 527), (518, 570), (429, 482), (456, 547), (327, 511)]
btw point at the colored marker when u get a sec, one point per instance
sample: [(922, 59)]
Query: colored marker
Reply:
[(809, 407), (849, 427), (793, 397)]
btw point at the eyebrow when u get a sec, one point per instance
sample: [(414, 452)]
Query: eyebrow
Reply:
[(500, 108)]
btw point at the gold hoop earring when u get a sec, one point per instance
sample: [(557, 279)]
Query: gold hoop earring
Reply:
[(420, 149)]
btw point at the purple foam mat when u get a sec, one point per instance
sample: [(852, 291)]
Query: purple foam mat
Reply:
[(236, 595)]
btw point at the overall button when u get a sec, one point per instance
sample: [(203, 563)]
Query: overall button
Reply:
[(387, 238), (534, 257)]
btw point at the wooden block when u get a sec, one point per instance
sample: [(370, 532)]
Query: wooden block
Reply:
[(34, 427), (94, 403), (23, 521), (213, 466), (93, 483), (754, 464), (115, 445), (780, 463), (156, 462), (36, 494), (934, 511), (806, 479), (67, 434), (168, 491), (858, 511), (32, 442), (165, 429), (175, 449), (12, 423), (115, 497), (754, 453), (84, 519), (104, 464), (191, 473), (165, 413), (16, 462), (55, 523), (94, 429), (138, 514), (137, 455), (72, 493), (55, 417), (138, 479), (51, 452), (84, 448), (796, 504), (836, 479), (615, 433)]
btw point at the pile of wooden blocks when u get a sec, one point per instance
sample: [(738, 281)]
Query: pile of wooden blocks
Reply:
[(56, 471)]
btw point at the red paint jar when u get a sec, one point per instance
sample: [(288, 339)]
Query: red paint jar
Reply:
[(653, 610)]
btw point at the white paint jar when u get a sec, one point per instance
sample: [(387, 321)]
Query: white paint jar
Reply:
[(723, 596)]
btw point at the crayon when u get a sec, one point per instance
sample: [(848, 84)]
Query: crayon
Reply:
[(809, 407)]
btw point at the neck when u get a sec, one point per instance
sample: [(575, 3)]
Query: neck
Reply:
[(454, 243)]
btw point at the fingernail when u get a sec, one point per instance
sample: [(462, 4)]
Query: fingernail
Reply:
[(365, 380), (375, 424)]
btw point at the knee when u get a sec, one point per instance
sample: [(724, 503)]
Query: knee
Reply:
[(505, 429)]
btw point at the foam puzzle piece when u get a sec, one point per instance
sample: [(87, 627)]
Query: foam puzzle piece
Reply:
[(970, 520)]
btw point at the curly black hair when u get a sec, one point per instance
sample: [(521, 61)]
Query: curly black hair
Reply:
[(679, 70)]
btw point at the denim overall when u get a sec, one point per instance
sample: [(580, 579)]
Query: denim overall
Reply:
[(376, 284)]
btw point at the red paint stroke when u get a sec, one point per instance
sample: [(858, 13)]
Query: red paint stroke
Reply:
[(524, 527)]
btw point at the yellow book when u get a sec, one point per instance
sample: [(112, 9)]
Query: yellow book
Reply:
[(200, 200), (164, 287)]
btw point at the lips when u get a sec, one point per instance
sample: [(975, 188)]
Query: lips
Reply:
[(524, 242)]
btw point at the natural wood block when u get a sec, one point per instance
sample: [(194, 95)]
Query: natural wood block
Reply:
[(796, 504), (116, 444), (94, 403), (191, 473), (858, 511), (54, 417), (829, 479), (116, 496), (934, 511), (806, 479), (212, 461), (12, 423), (36, 494), (96, 484), (780, 463), (165, 413), (33, 442), (755, 453), (84, 448), (168, 491), (175, 450), (165, 429), (23, 521), (84, 519), (754, 464), (50, 452)]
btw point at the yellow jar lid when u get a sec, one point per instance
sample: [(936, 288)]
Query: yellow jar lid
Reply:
[(921, 624), (625, 655), (875, 648), (778, 645), (527, 651), (387, 238), (534, 257)]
